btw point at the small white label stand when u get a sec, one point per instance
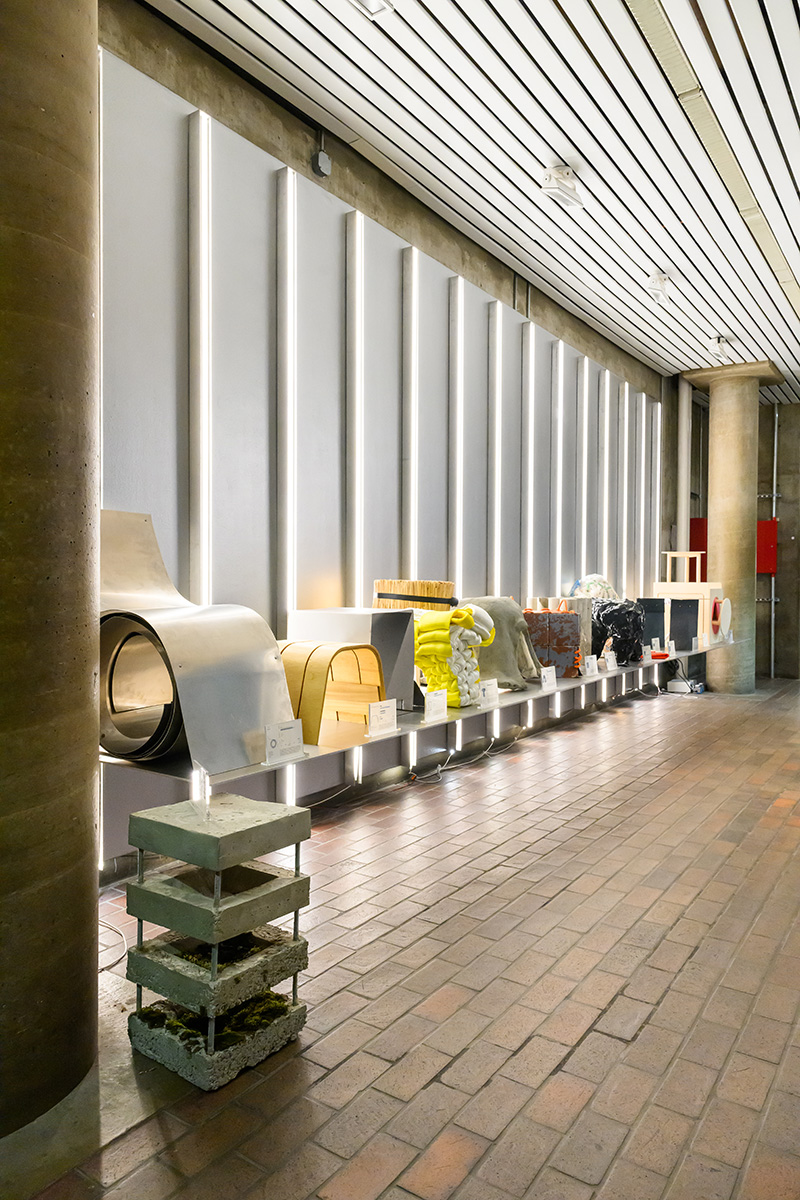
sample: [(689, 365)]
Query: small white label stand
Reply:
[(435, 706), (383, 718), (672, 649), (655, 644), (283, 742), (548, 679), (590, 665), (611, 660), (647, 652), (489, 693)]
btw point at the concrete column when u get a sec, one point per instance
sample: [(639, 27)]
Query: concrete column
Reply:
[(732, 508), (48, 499)]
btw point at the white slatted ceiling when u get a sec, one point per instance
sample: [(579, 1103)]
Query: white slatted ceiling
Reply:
[(464, 102)]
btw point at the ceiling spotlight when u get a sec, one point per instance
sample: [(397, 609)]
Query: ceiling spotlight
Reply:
[(373, 8), (718, 349), (561, 184), (658, 287)]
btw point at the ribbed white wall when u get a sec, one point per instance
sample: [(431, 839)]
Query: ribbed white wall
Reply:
[(369, 414)]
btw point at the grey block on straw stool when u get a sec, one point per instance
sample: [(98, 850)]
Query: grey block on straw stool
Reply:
[(211, 1071), (235, 830), (182, 899), (159, 966)]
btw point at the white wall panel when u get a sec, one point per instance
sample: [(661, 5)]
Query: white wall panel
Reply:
[(476, 441), (511, 458), (320, 383), (383, 421), (541, 466), (569, 501), (243, 372), (433, 416), (145, 306)]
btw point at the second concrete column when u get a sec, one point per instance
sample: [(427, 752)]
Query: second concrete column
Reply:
[(732, 513)]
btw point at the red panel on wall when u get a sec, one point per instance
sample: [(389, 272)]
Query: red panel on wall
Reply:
[(698, 540), (767, 547)]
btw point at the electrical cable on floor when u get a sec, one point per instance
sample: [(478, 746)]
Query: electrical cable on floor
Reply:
[(114, 929), (503, 749)]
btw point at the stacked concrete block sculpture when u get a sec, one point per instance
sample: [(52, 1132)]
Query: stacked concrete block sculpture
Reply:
[(219, 959)]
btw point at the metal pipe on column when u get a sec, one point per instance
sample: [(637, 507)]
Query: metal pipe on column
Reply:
[(684, 466)]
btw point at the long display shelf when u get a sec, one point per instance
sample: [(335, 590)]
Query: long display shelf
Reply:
[(352, 736)]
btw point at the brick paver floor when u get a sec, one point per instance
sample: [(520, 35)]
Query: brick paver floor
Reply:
[(569, 971)]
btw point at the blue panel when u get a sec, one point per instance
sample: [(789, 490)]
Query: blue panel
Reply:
[(383, 432), (321, 542), (476, 440), (243, 356), (145, 306)]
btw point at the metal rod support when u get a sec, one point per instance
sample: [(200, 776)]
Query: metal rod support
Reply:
[(212, 1028), (214, 960)]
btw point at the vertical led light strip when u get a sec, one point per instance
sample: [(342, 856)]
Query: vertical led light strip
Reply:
[(657, 501), (496, 408), (412, 751), (642, 486), (290, 784), (411, 407), (287, 383), (100, 772), (200, 367), (528, 363), (355, 399), (606, 468), (623, 575), (456, 401), (559, 481)]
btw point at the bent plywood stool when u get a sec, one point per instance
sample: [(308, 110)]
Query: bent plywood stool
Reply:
[(331, 681)]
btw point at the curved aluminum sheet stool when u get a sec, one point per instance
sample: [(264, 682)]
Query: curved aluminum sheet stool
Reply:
[(177, 677)]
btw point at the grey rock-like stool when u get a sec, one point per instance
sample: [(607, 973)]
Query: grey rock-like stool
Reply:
[(216, 965)]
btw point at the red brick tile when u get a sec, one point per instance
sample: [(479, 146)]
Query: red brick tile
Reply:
[(444, 1002), (746, 1081), (412, 1072), (771, 1173), (517, 1157), (71, 1187), (121, 1156), (444, 1165), (230, 1177), (558, 1102), (201, 1146), (154, 1181), (493, 1107), (275, 1141), (301, 1175), (658, 1140), (419, 1121), (373, 1169)]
